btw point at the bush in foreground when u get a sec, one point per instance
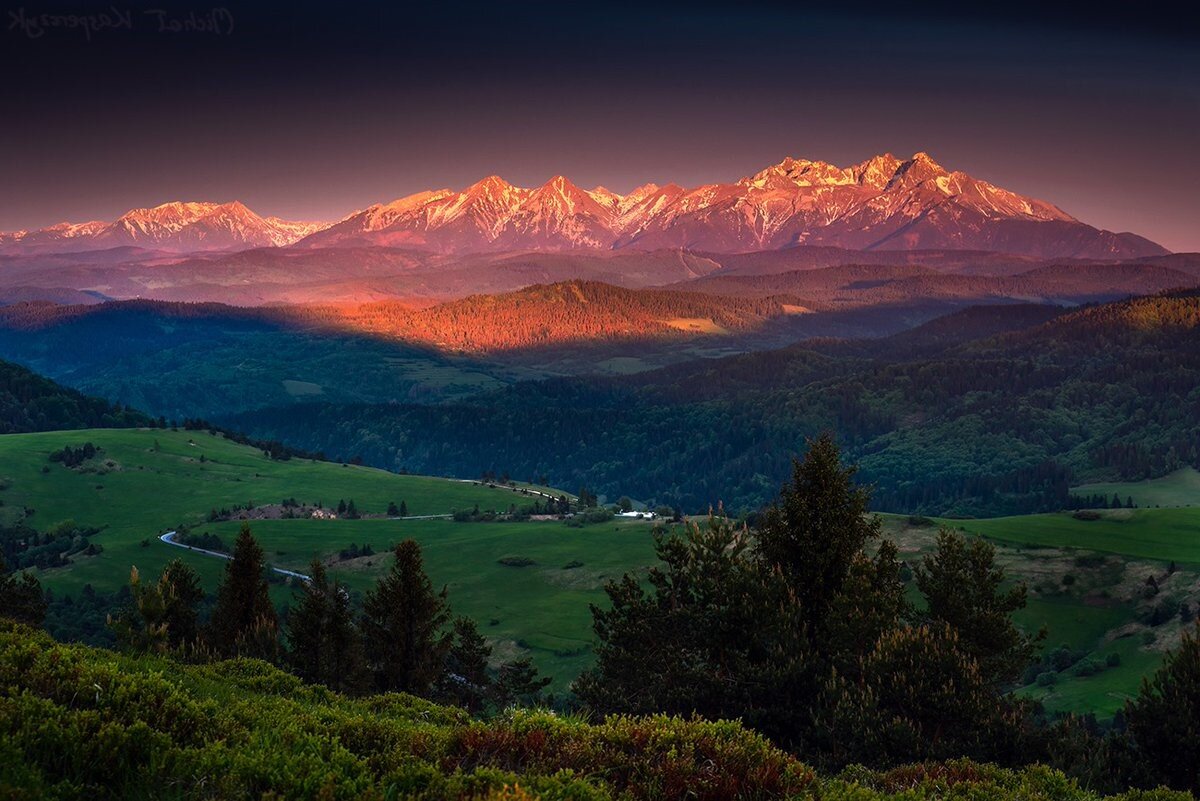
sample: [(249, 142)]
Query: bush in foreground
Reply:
[(78, 722)]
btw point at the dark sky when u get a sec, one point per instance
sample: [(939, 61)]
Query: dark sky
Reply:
[(310, 111)]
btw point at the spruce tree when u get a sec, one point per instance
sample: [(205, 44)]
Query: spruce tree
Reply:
[(403, 626), (964, 589), (817, 529), (466, 681), (714, 634), (244, 621), (519, 684), (21, 597), (181, 593), (1164, 719), (324, 645)]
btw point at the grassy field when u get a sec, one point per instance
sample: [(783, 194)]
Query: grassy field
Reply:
[(1181, 488), (1159, 534), (1087, 578)]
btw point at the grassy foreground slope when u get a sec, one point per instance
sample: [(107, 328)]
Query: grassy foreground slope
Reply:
[(77, 722)]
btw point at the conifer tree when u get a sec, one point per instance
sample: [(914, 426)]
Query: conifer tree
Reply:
[(1164, 719), (324, 645), (244, 621), (817, 529), (21, 597), (964, 589), (519, 683), (466, 681), (181, 593), (403, 626)]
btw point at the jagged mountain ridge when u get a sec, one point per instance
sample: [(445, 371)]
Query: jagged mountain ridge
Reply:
[(881, 204), (177, 226), (884, 203)]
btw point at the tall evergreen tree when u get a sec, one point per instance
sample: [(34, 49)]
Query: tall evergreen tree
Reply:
[(403, 626), (964, 588), (244, 621), (324, 644), (181, 593), (817, 529), (21, 597), (519, 683), (466, 681), (1164, 719), (715, 635)]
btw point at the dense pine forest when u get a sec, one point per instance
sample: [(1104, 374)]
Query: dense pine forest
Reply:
[(29, 402), (1003, 423)]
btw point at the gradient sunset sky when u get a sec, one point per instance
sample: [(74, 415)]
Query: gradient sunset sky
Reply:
[(309, 111)]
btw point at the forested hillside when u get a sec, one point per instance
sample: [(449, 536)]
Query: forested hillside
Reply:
[(29, 402), (990, 425)]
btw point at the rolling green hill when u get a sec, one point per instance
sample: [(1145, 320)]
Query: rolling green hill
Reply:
[(144, 482)]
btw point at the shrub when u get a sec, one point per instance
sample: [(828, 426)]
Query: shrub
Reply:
[(1047, 679)]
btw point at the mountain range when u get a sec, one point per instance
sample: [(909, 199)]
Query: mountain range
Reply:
[(882, 204), (174, 227)]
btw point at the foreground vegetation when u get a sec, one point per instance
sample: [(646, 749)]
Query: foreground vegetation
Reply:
[(78, 722)]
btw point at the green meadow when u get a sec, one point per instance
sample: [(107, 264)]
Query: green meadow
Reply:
[(1181, 488), (148, 481), (1087, 582), (1159, 534)]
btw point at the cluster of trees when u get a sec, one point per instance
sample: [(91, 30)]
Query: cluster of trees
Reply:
[(1100, 501), (404, 639), (804, 630), (73, 457), (25, 547), (348, 511)]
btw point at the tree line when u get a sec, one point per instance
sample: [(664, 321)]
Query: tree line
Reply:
[(404, 639)]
